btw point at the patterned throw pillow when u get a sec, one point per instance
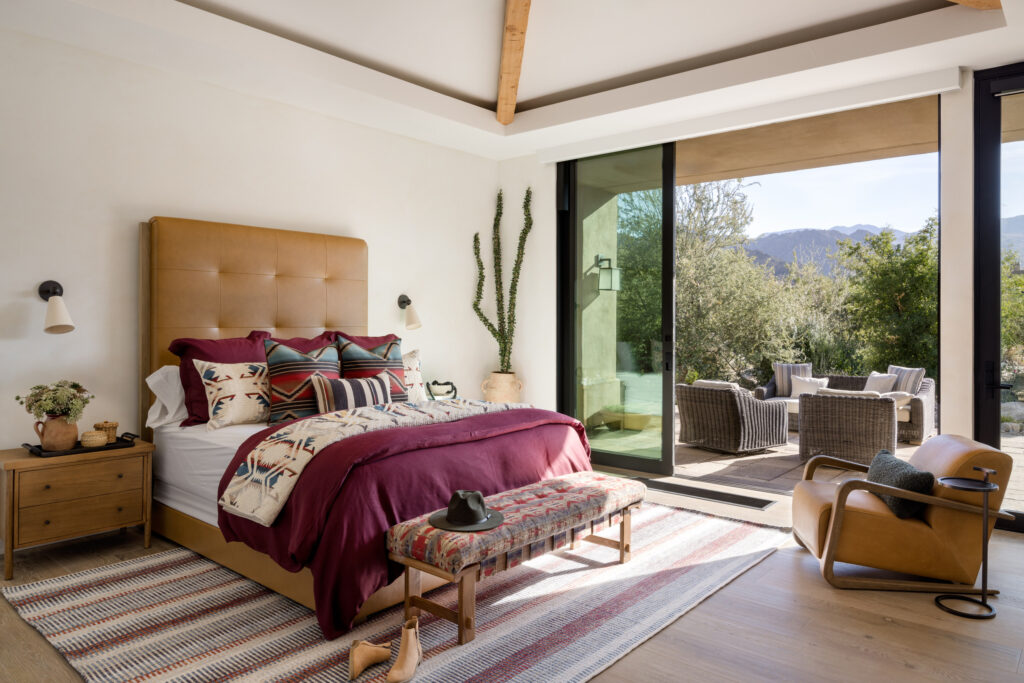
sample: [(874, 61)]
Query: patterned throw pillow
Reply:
[(907, 379), (783, 371), (363, 357), (291, 372), (344, 394), (414, 377), (236, 393)]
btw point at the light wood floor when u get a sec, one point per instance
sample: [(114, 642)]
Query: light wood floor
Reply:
[(778, 621)]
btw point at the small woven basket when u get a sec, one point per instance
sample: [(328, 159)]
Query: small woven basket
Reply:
[(108, 428), (94, 439)]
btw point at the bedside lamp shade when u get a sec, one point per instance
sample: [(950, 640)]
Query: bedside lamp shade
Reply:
[(58, 320), (412, 319)]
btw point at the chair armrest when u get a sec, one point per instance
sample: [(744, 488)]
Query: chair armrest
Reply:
[(819, 460), (847, 487), (767, 391)]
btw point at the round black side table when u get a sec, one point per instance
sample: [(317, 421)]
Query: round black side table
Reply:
[(984, 487)]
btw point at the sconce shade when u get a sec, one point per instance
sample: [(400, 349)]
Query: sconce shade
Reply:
[(412, 319), (609, 279), (58, 321)]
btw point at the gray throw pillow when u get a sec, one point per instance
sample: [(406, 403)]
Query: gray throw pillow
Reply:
[(887, 469)]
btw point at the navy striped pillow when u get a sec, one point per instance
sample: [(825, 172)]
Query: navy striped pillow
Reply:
[(343, 394)]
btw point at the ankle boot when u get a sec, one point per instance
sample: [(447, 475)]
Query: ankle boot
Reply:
[(410, 653), (363, 653)]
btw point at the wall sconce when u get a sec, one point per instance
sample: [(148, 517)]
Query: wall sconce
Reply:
[(58, 321), (608, 279), (412, 320)]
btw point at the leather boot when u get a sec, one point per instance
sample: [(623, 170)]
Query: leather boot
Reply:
[(410, 653), (363, 653)]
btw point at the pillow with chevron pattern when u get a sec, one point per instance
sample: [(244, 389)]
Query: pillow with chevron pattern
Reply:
[(236, 393), (363, 357), (291, 371)]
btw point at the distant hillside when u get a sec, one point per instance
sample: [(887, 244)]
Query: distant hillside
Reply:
[(1013, 234), (780, 248)]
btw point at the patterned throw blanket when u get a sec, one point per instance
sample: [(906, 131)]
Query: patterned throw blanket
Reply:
[(263, 482)]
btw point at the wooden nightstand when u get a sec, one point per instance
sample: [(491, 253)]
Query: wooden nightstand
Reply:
[(52, 499)]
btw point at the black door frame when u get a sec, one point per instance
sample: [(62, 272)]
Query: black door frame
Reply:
[(567, 333), (989, 84)]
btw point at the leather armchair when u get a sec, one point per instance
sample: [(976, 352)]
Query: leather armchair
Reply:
[(847, 522)]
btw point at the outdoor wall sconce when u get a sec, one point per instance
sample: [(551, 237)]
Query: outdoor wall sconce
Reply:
[(608, 279), (58, 320), (412, 320)]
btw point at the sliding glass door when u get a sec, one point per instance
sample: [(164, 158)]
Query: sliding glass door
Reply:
[(616, 281), (999, 270)]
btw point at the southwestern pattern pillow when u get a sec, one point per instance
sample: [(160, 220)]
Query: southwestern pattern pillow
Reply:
[(413, 379), (291, 372), (363, 357), (236, 393), (344, 394)]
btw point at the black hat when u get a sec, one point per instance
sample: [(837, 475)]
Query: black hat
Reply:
[(466, 512)]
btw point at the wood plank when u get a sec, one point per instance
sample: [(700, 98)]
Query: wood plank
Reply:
[(517, 12), (980, 4)]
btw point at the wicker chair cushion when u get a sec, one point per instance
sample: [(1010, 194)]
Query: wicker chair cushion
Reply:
[(849, 392), (532, 513), (783, 371), (807, 385), (907, 379), (715, 384)]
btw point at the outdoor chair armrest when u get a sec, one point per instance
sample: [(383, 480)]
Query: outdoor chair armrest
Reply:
[(851, 485), (819, 460), (767, 391)]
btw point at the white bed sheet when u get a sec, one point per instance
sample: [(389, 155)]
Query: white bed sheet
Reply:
[(189, 462)]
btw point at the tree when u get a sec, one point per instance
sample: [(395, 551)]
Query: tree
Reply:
[(892, 304)]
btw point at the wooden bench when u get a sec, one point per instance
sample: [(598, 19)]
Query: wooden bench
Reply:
[(539, 518)]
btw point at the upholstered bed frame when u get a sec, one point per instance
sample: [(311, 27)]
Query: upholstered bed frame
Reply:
[(217, 280)]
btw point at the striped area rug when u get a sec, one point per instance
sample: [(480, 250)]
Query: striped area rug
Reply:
[(562, 617)]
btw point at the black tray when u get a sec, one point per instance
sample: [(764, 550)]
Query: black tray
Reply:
[(124, 441)]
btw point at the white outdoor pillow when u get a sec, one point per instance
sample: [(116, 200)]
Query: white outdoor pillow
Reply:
[(807, 385), (880, 382), (902, 398), (169, 406), (848, 392), (715, 384)]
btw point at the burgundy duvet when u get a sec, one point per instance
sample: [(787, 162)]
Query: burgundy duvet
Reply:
[(336, 520)]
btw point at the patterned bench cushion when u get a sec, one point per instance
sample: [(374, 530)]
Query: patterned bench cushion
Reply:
[(532, 513)]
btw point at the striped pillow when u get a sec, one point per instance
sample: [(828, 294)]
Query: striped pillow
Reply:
[(291, 373), (907, 379), (343, 394), (783, 371)]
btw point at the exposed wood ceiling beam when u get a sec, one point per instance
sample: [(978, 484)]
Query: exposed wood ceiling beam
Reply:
[(980, 4), (517, 12)]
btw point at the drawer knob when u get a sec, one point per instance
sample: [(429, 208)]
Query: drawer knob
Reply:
[(120, 476), (46, 487), (45, 522), (120, 509)]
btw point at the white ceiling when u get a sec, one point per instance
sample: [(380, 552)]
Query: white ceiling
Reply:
[(573, 47), (598, 75)]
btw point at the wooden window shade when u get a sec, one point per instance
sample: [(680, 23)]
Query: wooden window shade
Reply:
[(1013, 118), (878, 132)]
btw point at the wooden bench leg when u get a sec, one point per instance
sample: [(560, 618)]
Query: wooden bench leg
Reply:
[(625, 536), (412, 588), (467, 607)]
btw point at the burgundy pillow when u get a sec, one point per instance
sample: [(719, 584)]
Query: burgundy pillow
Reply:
[(309, 345), (235, 350)]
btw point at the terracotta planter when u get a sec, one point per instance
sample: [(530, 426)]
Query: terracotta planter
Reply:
[(56, 434), (502, 387)]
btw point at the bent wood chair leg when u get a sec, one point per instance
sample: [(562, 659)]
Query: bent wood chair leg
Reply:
[(908, 585)]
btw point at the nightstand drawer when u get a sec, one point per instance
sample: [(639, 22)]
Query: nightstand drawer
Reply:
[(79, 517), (53, 484)]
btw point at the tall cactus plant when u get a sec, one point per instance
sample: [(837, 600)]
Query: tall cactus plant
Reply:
[(504, 330)]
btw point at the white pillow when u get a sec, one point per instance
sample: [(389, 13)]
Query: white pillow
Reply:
[(902, 398), (880, 382), (414, 377), (807, 385), (236, 393), (848, 392), (169, 406), (715, 384)]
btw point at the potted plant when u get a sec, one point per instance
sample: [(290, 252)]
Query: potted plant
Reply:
[(61, 404), (502, 385)]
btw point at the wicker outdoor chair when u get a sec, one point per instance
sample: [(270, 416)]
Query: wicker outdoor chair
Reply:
[(922, 407), (849, 427), (729, 421)]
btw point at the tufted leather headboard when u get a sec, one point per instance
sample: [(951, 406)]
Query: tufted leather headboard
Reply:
[(217, 280)]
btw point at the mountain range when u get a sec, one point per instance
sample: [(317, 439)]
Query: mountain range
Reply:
[(778, 249)]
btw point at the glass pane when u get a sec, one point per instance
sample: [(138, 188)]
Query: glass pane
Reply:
[(1012, 303), (618, 302)]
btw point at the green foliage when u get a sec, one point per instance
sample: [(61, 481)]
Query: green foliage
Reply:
[(65, 399), (892, 303), (505, 329)]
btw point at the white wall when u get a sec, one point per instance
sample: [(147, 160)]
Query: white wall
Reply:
[(90, 146)]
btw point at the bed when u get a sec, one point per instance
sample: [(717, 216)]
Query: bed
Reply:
[(214, 281)]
